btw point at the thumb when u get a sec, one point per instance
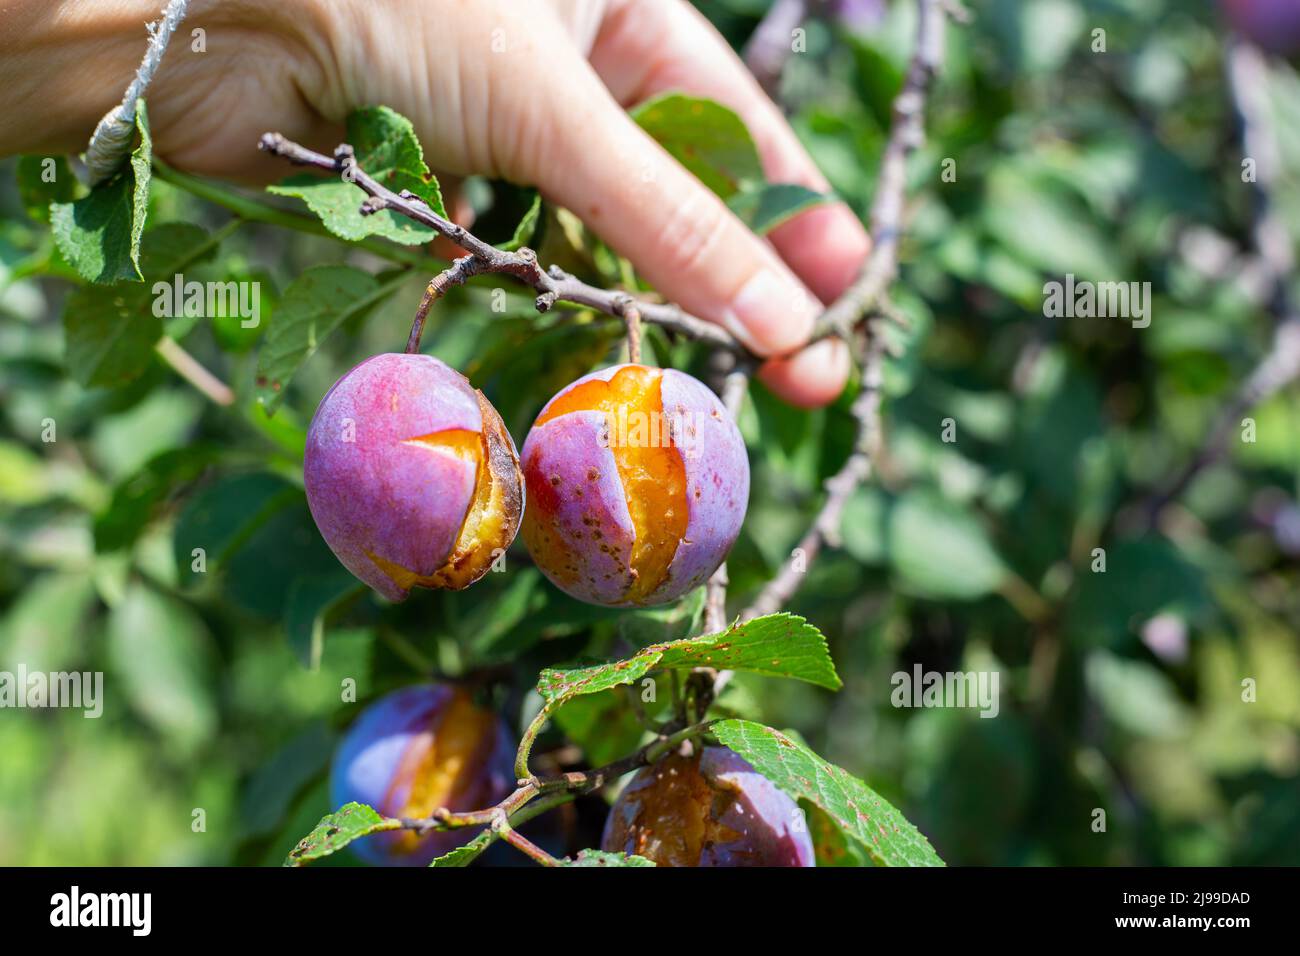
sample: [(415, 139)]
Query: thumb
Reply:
[(679, 235)]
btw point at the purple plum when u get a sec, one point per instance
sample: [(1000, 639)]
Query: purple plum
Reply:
[(1273, 24), (637, 484), (411, 476), (413, 751), (707, 809)]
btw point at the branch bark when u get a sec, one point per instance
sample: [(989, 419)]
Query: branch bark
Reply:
[(553, 285), (868, 295), (1248, 82), (906, 135)]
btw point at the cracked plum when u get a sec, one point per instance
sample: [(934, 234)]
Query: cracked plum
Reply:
[(710, 808), (411, 476), (637, 482), (413, 751)]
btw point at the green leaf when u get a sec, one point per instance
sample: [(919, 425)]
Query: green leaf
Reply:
[(940, 550), (99, 234), (161, 653), (605, 726), (523, 233), (864, 525), (604, 858), (139, 497), (884, 833), (765, 207), (314, 305), (386, 148), (223, 515), (831, 845), (1044, 227), (467, 854), (110, 331), (110, 334), (658, 625), (777, 645), (336, 830), (45, 626), (311, 599), (707, 138), (270, 792), (43, 180)]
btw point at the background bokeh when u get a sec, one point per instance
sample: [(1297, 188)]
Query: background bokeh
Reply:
[(1122, 690)]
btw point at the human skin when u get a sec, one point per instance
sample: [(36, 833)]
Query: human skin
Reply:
[(534, 92), (707, 809), (413, 751), (637, 484), (411, 476)]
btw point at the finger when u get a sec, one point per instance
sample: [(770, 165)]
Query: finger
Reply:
[(676, 232), (646, 47), (810, 378)]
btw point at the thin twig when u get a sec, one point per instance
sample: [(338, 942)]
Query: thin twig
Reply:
[(906, 135), (189, 368), (460, 272), (772, 42), (1248, 81), (868, 294), (550, 791), (632, 316), (839, 488), (553, 285), (735, 384)]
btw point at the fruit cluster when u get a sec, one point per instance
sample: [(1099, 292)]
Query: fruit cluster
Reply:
[(431, 746), (636, 482)]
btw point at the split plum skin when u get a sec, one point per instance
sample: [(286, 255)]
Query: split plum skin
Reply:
[(413, 751), (637, 482), (710, 808), (411, 476)]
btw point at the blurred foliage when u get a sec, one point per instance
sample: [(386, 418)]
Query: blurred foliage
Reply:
[(1121, 689)]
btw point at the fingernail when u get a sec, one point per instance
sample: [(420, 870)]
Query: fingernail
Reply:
[(771, 314)]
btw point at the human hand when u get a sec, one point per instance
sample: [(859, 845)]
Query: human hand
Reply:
[(531, 92)]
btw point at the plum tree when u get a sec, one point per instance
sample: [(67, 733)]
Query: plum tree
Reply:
[(411, 475), (637, 485), (710, 808), (413, 751)]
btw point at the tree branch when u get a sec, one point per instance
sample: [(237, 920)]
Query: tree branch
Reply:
[(549, 792), (1248, 82), (906, 135), (867, 295), (825, 528), (771, 43), (551, 285)]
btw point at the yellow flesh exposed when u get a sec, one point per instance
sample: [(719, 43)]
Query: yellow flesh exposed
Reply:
[(488, 519), (438, 759), (650, 468)]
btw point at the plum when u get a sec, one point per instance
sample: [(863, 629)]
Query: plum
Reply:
[(411, 476), (709, 808), (637, 483), (1273, 24), (413, 751)]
